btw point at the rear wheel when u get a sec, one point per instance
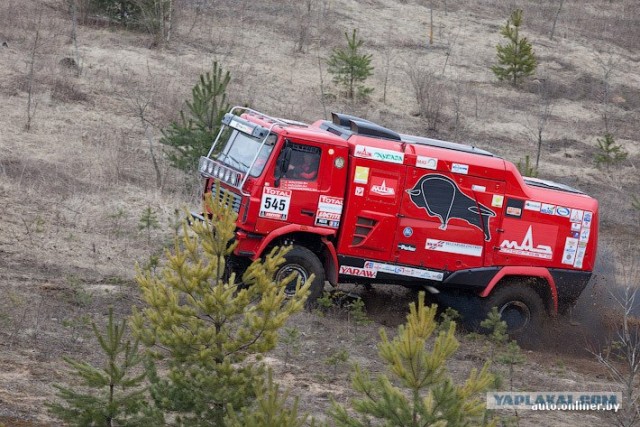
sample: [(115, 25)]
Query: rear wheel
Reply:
[(520, 307), (303, 263)]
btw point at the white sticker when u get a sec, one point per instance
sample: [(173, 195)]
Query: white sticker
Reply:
[(548, 209), (562, 211), (479, 188), (379, 154), (575, 226), (460, 168), (330, 204), (579, 257), (359, 191), (275, 203), (453, 247), (584, 235), (570, 250), (427, 162), (357, 271), (404, 271), (576, 215), (532, 206), (586, 219), (497, 201)]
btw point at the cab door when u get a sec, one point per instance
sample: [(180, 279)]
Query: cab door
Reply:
[(303, 193)]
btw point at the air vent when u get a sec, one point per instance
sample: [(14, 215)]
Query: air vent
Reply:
[(364, 226)]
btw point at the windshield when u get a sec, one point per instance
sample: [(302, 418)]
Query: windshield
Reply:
[(241, 149)]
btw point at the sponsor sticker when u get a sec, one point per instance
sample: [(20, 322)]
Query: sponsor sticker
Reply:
[(527, 246), (460, 168), (497, 201), (532, 206), (359, 191), (329, 211), (453, 247), (404, 271), (570, 251), (479, 188), (384, 187), (275, 203), (513, 211), (579, 257), (562, 211), (586, 219), (406, 247), (576, 226), (381, 154), (547, 209), (407, 232), (357, 271), (576, 215), (425, 162), (584, 235), (361, 175)]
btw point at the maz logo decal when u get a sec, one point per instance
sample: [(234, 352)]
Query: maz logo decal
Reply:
[(442, 198), (526, 248)]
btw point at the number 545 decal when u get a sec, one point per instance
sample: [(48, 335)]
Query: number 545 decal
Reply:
[(275, 203)]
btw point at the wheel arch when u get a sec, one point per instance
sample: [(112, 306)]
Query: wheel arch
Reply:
[(320, 244), (538, 279)]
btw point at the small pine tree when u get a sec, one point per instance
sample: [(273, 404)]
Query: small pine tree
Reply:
[(350, 68), (111, 395), (192, 136), (516, 59), (211, 331), (610, 153), (148, 221), (422, 392), (271, 410)]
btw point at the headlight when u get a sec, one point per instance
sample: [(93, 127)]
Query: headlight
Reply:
[(227, 175)]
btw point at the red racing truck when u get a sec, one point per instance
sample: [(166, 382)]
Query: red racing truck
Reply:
[(361, 203)]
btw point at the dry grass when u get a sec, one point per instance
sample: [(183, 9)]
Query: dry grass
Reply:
[(74, 186)]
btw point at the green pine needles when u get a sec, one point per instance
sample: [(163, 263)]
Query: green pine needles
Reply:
[(192, 136), (114, 395), (206, 330), (350, 68), (421, 392), (516, 59)]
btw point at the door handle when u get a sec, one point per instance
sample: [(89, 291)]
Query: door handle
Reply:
[(306, 212)]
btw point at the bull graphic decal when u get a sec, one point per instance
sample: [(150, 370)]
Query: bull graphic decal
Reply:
[(441, 197)]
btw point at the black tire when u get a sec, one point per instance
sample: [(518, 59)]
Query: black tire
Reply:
[(302, 261), (521, 307)]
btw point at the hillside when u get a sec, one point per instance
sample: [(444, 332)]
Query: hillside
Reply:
[(81, 121)]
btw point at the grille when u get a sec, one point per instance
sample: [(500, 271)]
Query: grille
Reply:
[(228, 196)]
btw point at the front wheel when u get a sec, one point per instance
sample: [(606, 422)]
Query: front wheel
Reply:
[(520, 307), (303, 263)]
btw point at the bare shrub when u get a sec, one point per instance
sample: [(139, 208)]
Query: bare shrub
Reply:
[(621, 355), (430, 92)]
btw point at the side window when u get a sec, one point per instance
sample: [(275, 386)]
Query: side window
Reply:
[(304, 163)]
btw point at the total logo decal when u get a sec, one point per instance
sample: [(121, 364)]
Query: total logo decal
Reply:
[(527, 247)]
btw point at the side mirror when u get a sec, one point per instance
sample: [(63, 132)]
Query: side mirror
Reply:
[(282, 164)]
